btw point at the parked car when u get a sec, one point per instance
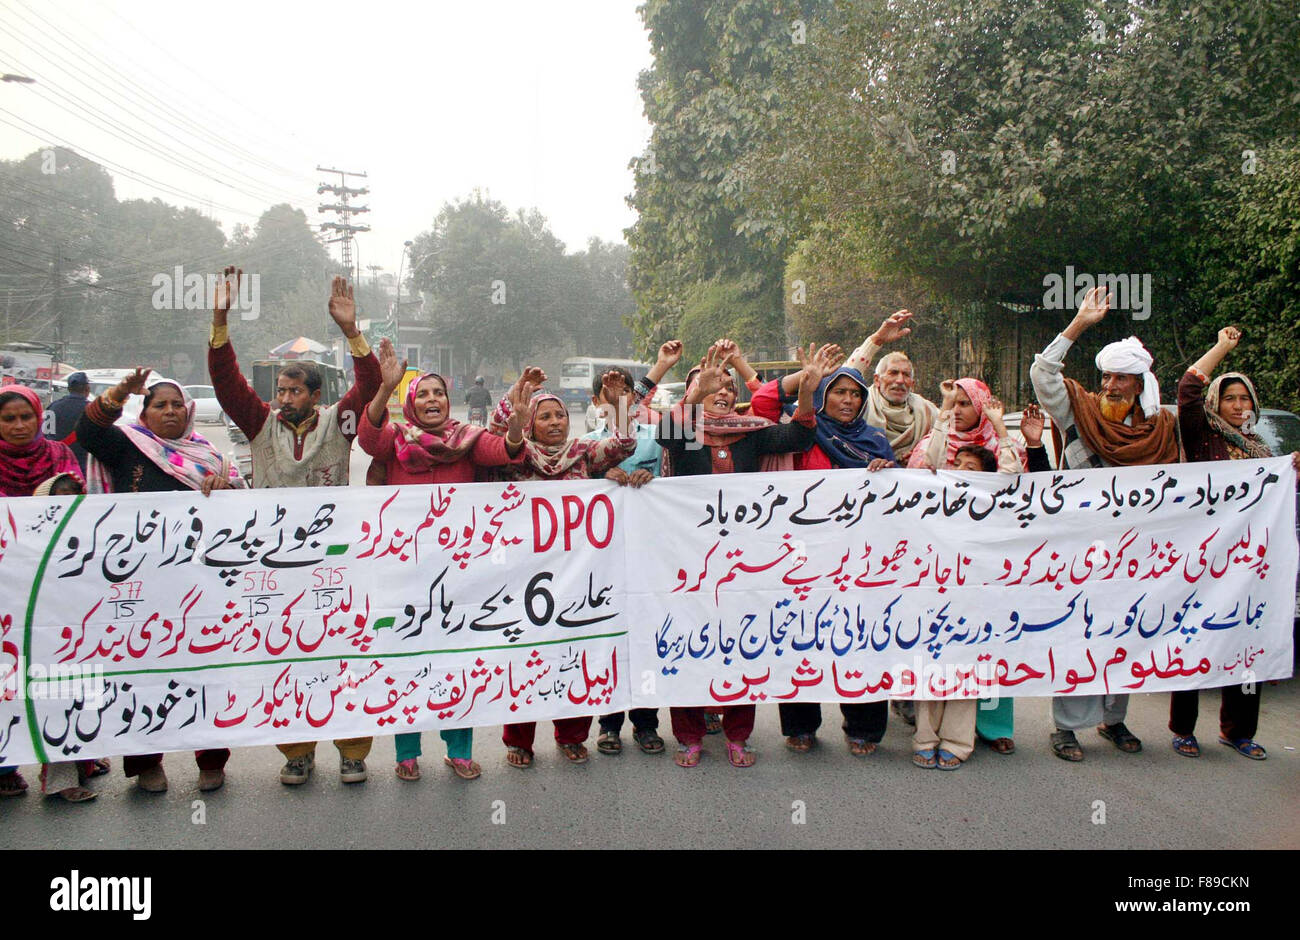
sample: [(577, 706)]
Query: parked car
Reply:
[(101, 380), (206, 408)]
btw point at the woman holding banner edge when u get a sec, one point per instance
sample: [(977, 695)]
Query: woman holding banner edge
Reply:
[(432, 447), (731, 444)]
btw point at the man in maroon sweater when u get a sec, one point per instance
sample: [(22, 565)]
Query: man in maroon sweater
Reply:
[(298, 443)]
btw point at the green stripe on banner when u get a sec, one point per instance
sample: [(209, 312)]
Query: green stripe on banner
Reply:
[(37, 744), (337, 550)]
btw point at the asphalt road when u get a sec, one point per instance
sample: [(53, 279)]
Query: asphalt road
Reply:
[(1031, 799), (823, 799)]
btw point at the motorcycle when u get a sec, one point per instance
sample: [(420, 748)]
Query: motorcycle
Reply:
[(478, 416)]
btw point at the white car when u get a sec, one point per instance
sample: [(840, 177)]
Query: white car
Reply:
[(206, 408), (101, 380)]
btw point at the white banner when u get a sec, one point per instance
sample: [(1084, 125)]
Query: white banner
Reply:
[(851, 586), (141, 623), (159, 622)]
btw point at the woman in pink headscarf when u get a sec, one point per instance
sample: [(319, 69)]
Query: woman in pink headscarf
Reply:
[(27, 459), (431, 447), (27, 456), (962, 422)]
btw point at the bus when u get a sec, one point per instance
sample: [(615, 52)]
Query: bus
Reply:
[(578, 372)]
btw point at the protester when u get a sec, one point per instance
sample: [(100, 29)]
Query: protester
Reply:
[(619, 414), (1218, 423), (67, 412), (548, 454), (977, 441), (892, 404), (160, 453), (844, 440), (703, 435), (965, 419), (995, 721), (28, 462), (1123, 425), (298, 443), (431, 447)]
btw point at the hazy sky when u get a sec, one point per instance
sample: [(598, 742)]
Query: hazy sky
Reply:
[(231, 106)]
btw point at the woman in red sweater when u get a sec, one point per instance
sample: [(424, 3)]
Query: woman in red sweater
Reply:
[(432, 447)]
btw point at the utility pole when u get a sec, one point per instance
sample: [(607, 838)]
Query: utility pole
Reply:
[(345, 211), (374, 270)]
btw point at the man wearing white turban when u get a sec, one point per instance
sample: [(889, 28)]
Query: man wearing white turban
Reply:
[(1123, 425)]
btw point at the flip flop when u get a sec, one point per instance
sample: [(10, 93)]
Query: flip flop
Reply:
[(924, 758), (1246, 748), (1186, 745), (688, 755), (946, 760), (525, 757), (463, 767), (408, 770)]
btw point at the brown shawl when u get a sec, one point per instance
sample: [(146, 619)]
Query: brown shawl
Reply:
[(1149, 440)]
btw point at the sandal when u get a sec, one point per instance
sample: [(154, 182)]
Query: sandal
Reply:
[(712, 723), (1122, 738), (574, 753), (1003, 746), (519, 757), (87, 769), (1186, 745), (738, 755), (861, 747), (408, 769), (649, 741), (946, 760), (1246, 748), (464, 768), (924, 758), (800, 742), (75, 794), (1066, 746), (688, 755), (12, 784), (608, 743)]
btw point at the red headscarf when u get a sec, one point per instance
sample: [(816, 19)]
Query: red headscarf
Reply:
[(420, 450), (25, 467), (982, 435)]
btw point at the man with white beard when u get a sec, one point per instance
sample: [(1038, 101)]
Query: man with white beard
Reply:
[(892, 405), (895, 408), (1123, 425)]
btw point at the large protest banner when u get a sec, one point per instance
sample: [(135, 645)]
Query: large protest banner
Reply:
[(158, 622), (143, 623), (853, 586)]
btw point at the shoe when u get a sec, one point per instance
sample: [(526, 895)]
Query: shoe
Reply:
[(153, 780), (352, 771), (1119, 735), (296, 770), (210, 780)]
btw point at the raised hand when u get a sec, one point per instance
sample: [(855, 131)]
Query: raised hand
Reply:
[(1095, 306), (713, 375), (226, 291), (894, 328), (1229, 337), (391, 369), (949, 389), (730, 351), (613, 386), (343, 309), (132, 384), (1031, 426), (831, 357), (994, 410), (670, 353), (534, 376)]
